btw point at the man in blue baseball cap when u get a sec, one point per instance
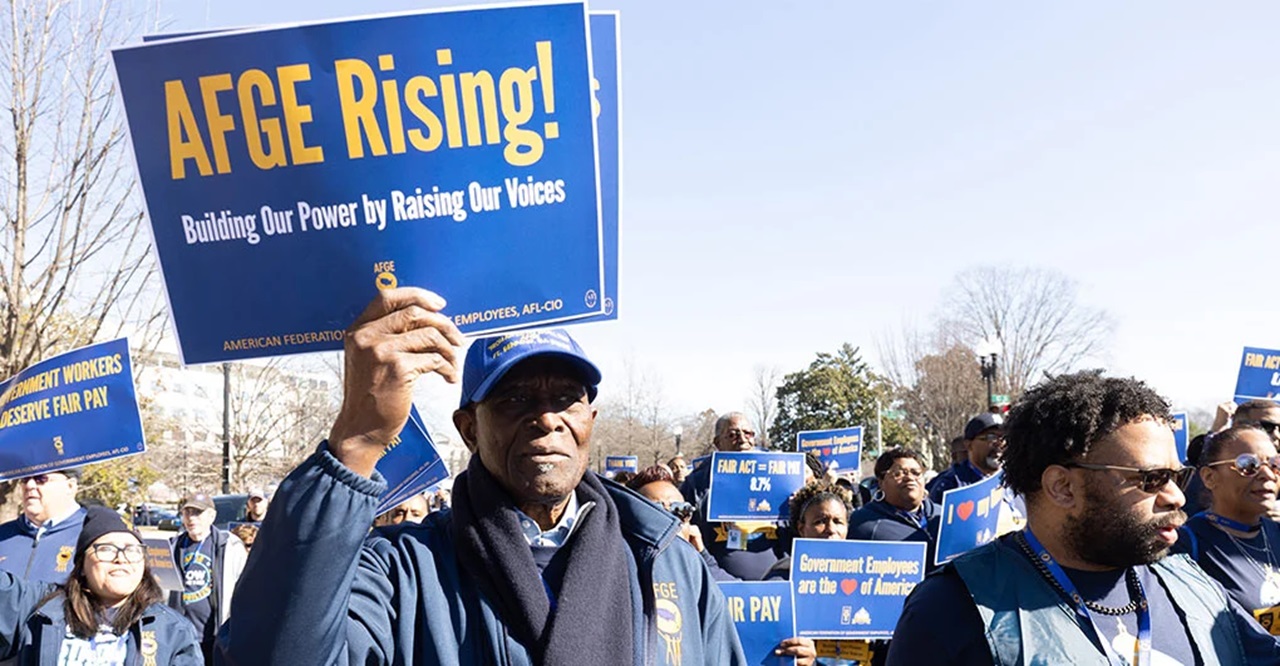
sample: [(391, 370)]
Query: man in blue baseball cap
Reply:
[(538, 562)]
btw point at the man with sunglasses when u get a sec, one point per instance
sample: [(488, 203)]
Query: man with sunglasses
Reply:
[(657, 484), (1232, 541), (1090, 580), (1263, 414), (39, 545), (983, 443), (745, 550)]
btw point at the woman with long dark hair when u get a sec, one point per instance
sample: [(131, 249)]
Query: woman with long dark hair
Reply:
[(110, 613)]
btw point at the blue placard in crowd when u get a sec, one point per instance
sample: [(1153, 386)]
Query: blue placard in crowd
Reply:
[(617, 464), (410, 465), (1180, 433), (70, 410), (606, 66), (1259, 375), (753, 485), (762, 613), (970, 517), (852, 589), (289, 172), (839, 449)]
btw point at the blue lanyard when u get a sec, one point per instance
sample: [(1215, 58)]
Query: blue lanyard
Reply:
[(916, 519), (1229, 523), (1142, 648)]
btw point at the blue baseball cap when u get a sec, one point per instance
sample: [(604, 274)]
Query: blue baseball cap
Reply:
[(490, 359)]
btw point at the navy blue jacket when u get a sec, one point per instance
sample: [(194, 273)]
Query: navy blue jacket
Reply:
[(881, 521), (317, 591), (33, 631), (47, 559), (955, 476)]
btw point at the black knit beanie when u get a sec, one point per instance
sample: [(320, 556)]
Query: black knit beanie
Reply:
[(100, 520)]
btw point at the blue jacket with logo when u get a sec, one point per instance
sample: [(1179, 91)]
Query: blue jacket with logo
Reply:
[(32, 628), (317, 591), (45, 559)]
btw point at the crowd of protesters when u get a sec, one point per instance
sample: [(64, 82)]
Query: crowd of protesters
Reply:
[(534, 559)]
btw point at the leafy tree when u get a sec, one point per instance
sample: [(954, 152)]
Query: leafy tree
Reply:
[(836, 391)]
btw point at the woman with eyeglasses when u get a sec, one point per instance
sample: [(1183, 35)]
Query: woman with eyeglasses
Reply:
[(901, 510), (111, 611), (1233, 540)]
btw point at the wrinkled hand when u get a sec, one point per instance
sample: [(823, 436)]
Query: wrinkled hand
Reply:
[(802, 649), (399, 337), (693, 535)]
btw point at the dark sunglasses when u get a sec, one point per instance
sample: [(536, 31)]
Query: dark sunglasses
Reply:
[(40, 479), (1248, 464), (1269, 427), (1149, 480), (682, 510)]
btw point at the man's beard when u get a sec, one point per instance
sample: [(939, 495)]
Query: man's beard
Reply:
[(1110, 535)]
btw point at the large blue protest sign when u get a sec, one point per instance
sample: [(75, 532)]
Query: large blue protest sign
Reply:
[(970, 517), (839, 449), (290, 172), (762, 613), (852, 589), (1259, 375), (752, 485), (606, 66), (70, 410), (1180, 434), (615, 464), (410, 464)]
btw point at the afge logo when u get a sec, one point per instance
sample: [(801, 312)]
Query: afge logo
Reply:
[(64, 558), (669, 623), (57, 445)]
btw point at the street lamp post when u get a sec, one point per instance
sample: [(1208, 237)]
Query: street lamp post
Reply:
[(988, 353), (678, 431)]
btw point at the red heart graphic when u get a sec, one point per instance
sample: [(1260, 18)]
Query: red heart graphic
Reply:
[(848, 586), (965, 510), (826, 452)]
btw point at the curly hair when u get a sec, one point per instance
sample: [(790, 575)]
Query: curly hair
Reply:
[(1060, 419), (816, 493)]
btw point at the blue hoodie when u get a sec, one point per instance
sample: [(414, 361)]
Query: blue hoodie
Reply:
[(317, 591), (881, 521), (47, 558), (32, 628)]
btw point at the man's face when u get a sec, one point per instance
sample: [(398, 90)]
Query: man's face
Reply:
[(1268, 419), (1118, 524), (412, 510), (257, 508), (735, 435), (533, 431), (198, 521), (959, 452), (47, 495), (986, 448)]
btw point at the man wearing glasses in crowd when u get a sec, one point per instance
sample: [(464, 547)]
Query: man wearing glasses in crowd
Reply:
[(984, 441), (39, 545), (1090, 580), (745, 550)]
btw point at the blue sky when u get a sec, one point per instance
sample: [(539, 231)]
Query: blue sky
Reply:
[(798, 175)]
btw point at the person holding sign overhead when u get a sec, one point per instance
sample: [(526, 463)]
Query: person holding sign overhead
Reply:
[(111, 610), (1090, 580), (902, 512), (538, 562), (1233, 541)]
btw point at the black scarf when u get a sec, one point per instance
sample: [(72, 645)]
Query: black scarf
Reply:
[(592, 623)]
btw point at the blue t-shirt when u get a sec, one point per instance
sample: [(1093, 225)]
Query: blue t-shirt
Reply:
[(196, 563), (940, 612), (1247, 568)]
